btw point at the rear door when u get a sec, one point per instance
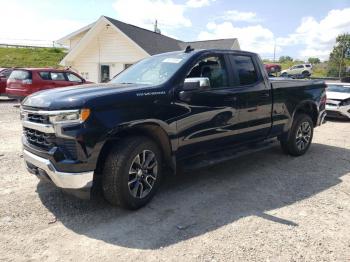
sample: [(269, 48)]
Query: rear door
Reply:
[(253, 98), (43, 81)]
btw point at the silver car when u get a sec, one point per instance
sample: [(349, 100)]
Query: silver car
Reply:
[(338, 100)]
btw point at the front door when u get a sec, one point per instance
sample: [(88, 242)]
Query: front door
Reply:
[(105, 73), (209, 115)]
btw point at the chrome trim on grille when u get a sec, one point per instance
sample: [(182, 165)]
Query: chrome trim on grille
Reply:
[(49, 113), (45, 128)]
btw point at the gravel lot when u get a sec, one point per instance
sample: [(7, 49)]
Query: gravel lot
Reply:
[(265, 206)]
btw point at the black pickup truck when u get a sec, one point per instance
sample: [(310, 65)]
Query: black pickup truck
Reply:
[(179, 109)]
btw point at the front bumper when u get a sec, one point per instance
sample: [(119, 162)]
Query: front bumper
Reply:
[(338, 111), (43, 167)]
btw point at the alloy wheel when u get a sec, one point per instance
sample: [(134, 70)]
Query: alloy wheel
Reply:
[(303, 136), (142, 174)]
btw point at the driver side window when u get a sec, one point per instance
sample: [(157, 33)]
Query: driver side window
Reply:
[(212, 67)]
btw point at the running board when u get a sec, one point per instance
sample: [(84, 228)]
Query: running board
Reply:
[(217, 157)]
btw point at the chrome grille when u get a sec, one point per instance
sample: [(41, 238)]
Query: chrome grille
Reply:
[(39, 139), (42, 119)]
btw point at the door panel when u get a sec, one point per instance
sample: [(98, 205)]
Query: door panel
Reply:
[(208, 121), (209, 116), (254, 99)]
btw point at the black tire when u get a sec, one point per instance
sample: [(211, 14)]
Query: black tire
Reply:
[(284, 75), (305, 74), (116, 173), (290, 142)]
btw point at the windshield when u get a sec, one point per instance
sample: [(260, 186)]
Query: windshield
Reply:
[(154, 70), (339, 88)]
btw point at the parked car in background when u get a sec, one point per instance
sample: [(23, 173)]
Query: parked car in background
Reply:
[(4, 74), (303, 70), (25, 81), (272, 68), (338, 100)]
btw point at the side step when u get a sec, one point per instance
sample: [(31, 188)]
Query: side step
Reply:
[(217, 157)]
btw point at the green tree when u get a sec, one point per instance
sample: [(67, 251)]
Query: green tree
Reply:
[(284, 59), (314, 60), (338, 61)]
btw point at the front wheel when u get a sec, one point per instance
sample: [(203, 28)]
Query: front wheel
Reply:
[(299, 138), (132, 172)]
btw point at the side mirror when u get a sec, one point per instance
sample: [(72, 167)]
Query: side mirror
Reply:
[(196, 83)]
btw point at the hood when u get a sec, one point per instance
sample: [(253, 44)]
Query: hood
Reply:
[(337, 95), (76, 96)]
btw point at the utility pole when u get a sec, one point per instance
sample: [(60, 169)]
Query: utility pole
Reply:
[(341, 61), (274, 52)]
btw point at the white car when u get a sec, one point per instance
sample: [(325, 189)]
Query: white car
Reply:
[(304, 70), (338, 100)]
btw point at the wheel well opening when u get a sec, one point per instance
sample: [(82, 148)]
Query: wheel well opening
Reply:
[(153, 132), (309, 109)]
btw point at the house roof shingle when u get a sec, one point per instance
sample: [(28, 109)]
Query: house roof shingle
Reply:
[(155, 43)]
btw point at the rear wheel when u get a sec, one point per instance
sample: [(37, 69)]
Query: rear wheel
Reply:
[(299, 138), (305, 74), (132, 173)]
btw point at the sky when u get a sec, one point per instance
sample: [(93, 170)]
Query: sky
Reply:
[(298, 28)]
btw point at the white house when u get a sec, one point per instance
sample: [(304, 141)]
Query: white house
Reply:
[(104, 48)]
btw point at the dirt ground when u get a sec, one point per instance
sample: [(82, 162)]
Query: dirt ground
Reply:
[(263, 207)]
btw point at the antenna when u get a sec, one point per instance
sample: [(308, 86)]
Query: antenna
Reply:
[(189, 49), (156, 29)]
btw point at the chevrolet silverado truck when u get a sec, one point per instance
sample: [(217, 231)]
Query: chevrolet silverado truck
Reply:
[(184, 109)]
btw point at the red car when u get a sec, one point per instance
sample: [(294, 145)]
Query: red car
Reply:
[(25, 81), (4, 74), (273, 68)]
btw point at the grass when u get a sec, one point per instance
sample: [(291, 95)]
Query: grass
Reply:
[(31, 57)]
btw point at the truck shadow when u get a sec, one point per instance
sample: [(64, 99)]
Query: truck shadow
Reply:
[(193, 204)]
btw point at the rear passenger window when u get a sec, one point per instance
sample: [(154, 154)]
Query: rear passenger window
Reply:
[(45, 75), (57, 76), (246, 70)]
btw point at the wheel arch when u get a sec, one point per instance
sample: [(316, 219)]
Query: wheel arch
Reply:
[(309, 108), (151, 130)]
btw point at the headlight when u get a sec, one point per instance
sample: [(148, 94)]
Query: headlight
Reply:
[(70, 116)]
